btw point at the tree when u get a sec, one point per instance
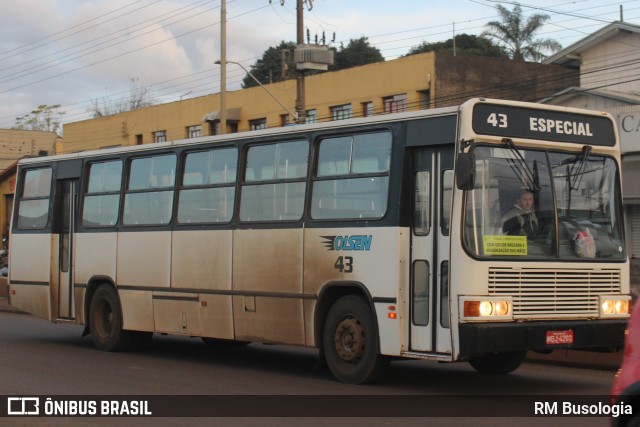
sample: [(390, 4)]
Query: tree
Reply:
[(276, 65), (138, 97), (466, 44), (277, 62), (45, 118), (518, 34), (357, 52)]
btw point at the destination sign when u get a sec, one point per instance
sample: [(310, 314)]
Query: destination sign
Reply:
[(531, 123)]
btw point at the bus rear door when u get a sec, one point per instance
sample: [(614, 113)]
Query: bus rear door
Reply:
[(64, 219)]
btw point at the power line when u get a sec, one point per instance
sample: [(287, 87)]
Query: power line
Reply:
[(121, 54), (40, 42), (107, 36), (139, 49)]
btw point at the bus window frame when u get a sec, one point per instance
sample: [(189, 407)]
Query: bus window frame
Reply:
[(242, 183), (179, 183), (125, 188), (389, 173), (20, 199), (84, 191)]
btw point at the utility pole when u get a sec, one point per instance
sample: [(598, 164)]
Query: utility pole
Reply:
[(306, 57), (223, 68), (300, 99)]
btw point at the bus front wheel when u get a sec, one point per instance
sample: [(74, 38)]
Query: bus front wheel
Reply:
[(498, 363), (105, 321), (350, 342)]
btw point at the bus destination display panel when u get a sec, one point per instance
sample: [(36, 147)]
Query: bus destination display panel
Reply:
[(557, 126)]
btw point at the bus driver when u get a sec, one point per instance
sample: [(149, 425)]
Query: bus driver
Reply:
[(521, 219)]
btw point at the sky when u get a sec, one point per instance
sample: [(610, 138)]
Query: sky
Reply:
[(79, 53)]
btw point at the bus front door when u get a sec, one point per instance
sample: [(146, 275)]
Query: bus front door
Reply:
[(429, 288), (65, 214)]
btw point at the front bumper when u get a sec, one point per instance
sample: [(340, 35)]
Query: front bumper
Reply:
[(482, 338)]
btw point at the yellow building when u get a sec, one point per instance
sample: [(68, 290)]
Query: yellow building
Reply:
[(7, 189), (18, 143), (421, 81)]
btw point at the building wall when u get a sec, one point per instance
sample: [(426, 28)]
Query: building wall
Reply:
[(7, 188), (459, 78), (372, 82), (425, 80), (613, 62), (17, 143)]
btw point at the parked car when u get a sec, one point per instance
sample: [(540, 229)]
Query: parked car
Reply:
[(626, 385)]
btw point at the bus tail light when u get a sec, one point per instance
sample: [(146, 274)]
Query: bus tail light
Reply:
[(485, 309), (392, 312)]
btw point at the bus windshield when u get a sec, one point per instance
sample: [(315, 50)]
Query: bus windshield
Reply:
[(533, 204)]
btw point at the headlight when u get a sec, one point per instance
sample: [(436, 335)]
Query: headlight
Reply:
[(622, 307), (502, 308), (485, 309), (614, 305)]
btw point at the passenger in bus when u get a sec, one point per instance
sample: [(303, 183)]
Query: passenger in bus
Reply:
[(521, 220)]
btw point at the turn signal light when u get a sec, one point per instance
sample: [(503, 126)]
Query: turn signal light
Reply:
[(472, 308), (486, 308)]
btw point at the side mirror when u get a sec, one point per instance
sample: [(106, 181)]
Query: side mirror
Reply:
[(466, 171)]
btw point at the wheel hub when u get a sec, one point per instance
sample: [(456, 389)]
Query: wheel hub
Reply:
[(350, 340)]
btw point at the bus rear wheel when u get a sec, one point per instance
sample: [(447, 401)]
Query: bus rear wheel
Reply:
[(105, 322), (498, 363), (350, 342)]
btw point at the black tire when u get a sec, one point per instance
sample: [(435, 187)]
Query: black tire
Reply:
[(498, 363), (350, 342), (105, 322)]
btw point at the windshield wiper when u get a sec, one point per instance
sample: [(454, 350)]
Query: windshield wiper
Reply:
[(520, 167), (578, 168)]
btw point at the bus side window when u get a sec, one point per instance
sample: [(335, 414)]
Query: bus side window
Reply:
[(33, 208), (207, 193), (149, 196), (352, 178), (275, 182), (102, 199)]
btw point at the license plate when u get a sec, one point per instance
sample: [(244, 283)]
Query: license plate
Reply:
[(560, 337)]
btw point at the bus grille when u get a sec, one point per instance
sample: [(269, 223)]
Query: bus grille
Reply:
[(554, 293)]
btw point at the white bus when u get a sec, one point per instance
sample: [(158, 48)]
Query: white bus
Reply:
[(369, 239)]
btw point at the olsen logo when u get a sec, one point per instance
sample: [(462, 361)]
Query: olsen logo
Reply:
[(23, 406)]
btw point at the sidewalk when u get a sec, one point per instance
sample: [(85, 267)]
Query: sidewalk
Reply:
[(575, 358)]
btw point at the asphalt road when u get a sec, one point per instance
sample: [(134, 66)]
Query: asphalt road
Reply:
[(43, 359)]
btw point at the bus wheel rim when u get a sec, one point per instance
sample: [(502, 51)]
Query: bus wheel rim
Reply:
[(106, 317), (350, 340)]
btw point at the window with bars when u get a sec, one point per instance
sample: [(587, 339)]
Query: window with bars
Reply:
[(194, 131), (311, 117), (258, 124), (341, 112), (395, 103), (160, 136)]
